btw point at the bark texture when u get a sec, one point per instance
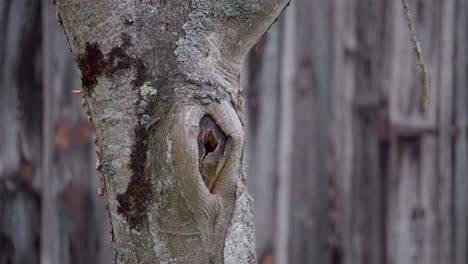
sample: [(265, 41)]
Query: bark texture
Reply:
[(161, 80)]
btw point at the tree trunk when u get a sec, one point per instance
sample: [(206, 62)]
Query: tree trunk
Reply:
[(161, 80)]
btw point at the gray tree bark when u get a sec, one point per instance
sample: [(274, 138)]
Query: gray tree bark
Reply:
[(161, 80)]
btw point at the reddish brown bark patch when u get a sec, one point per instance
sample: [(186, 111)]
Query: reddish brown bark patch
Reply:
[(93, 64), (134, 202)]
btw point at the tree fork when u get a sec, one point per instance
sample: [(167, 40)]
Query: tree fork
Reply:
[(160, 79)]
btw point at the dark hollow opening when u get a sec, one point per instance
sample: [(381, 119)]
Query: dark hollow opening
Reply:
[(210, 142), (210, 138)]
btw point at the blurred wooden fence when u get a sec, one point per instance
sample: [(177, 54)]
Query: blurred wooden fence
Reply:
[(49, 210), (344, 166)]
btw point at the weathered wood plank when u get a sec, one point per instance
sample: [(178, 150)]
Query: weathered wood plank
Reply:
[(445, 101), (74, 223), (356, 199), (288, 62), (341, 133), (419, 203), (262, 173), (20, 132), (461, 134), (308, 216), (367, 239)]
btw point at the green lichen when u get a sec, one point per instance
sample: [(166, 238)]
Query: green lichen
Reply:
[(417, 50), (147, 90), (202, 21), (107, 168)]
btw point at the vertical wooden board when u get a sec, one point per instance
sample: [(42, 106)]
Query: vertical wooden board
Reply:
[(262, 161), (288, 62), (19, 222), (18, 79), (408, 124), (368, 105), (461, 136), (20, 144), (404, 208), (405, 86), (430, 194), (308, 204), (445, 102), (74, 224), (341, 132), (8, 98)]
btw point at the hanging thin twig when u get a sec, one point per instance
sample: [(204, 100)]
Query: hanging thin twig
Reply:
[(417, 49)]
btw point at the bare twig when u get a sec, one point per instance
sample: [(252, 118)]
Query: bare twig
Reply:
[(417, 49)]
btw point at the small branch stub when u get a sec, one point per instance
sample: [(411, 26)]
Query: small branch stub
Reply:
[(78, 92)]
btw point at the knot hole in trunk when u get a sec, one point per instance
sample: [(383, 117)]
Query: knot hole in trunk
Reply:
[(213, 148)]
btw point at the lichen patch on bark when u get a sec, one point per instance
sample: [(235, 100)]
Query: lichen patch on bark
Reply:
[(240, 239), (107, 168), (147, 90), (202, 22)]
